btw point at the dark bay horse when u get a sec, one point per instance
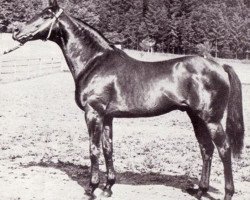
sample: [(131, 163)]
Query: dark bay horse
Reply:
[(111, 84)]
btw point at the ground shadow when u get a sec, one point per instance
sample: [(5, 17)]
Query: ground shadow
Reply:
[(81, 174)]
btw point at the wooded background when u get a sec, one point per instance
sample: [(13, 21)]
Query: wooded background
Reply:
[(177, 26)]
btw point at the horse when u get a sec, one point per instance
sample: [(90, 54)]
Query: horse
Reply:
[(110, 84)]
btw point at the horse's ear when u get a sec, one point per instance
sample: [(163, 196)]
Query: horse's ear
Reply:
[(53, 3)]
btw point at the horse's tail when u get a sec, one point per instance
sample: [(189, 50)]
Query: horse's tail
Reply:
[(234, 122)]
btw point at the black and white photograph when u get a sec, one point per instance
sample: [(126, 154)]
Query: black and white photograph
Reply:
[(124, 99)]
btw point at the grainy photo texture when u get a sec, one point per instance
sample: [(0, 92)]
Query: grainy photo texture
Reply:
[(124, 100)]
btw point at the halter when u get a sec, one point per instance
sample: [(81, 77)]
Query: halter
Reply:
[(52, 22)]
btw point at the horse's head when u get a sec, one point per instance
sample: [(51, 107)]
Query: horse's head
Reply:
[(40, 26)]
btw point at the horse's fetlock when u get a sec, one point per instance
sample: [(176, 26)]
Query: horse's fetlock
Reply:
[(95, 180), (203, 190), (107, 192), (111, 177), (229, 191), (91, 188)]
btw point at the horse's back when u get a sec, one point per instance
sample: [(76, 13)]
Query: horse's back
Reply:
[(153, 88)]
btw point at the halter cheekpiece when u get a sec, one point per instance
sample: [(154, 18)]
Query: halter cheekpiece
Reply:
[(52, 22), (54, 19)]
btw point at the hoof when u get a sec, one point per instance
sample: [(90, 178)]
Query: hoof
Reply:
[(89, 192), (107, 193), (228, 197), (198, 193), (90, 196), (192, 191)]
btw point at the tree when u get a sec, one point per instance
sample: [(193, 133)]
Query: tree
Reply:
[(20, 11), (176, 25), (204, 49)]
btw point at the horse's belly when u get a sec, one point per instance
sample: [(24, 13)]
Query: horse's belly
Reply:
[(143, 104)]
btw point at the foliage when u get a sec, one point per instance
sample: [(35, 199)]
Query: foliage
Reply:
[(16, 11), (177, 26), (204, 49)]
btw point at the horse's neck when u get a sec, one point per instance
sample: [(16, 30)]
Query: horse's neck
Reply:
[(80, 44)]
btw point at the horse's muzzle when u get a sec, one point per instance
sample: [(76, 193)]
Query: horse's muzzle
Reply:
[(20, 38), (15, 34)]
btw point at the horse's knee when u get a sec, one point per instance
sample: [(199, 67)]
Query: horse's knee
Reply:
[(94, 152), (93, 119), (207, 151)]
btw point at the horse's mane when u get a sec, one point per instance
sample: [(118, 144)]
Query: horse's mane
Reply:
[(98, 37)]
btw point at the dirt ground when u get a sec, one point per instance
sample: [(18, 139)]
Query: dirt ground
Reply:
[(44, 149)]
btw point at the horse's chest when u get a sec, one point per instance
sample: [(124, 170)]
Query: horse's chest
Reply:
[(97, 92)]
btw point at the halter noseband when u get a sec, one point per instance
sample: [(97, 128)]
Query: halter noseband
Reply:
[(53, 21)]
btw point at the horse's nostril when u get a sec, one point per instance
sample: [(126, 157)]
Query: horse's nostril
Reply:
[(16, 30)]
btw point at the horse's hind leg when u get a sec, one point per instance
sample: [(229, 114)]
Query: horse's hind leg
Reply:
[(107, 144), (207, 149), (94, 123), (221, 141)]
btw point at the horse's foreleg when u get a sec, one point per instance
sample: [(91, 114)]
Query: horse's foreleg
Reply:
[(222, 143), (94, 123), (107, 144)]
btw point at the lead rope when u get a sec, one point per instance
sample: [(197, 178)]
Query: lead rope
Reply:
[(12, 49)]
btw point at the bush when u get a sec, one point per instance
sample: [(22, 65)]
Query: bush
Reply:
[(204, 49)]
